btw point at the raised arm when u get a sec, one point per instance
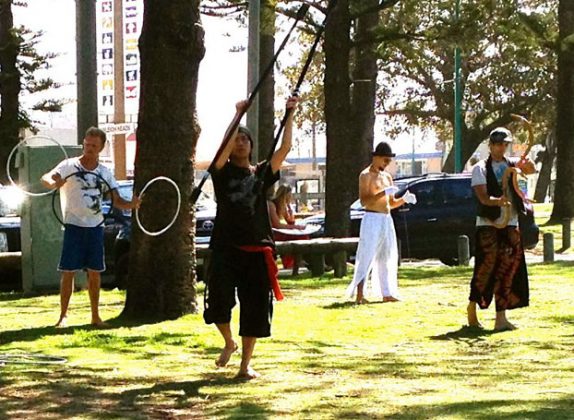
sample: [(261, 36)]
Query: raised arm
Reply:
[(240, 109), (281, 153)]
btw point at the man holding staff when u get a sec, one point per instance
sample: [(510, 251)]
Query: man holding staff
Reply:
[(242, 242)]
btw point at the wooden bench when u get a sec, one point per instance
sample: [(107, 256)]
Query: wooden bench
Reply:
[(314, 250), (10, 260)]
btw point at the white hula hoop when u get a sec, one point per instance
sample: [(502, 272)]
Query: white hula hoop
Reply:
[(159, 232), (31, 194)]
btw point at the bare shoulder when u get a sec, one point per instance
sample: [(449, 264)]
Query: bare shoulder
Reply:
[(387, 177), (365, 172)]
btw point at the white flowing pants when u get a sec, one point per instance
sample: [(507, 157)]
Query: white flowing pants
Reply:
[(376, 262)]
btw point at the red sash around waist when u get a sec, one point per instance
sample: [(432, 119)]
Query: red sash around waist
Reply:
[(272, 269)]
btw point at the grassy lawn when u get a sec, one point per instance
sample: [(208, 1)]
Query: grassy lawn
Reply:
[(326, 359)]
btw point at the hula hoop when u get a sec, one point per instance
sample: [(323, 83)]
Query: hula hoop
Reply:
[(88, 173), (31, 194), (159, 232), (30, 359)]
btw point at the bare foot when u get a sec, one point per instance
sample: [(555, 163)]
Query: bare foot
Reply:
[(62, 322), (471, 314), (361, 301), (390, 299), (225, 355), (248, 374), (505, 326)]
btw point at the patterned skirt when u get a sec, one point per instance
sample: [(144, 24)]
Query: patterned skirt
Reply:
[(499, 269)]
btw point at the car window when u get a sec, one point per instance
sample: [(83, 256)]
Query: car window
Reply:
[(428, 193), (11, 199), (457, 191), (205, 202)]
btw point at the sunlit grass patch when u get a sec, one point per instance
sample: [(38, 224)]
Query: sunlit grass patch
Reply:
[(328, 358)]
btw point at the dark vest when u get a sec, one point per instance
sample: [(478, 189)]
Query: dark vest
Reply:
[(495, 190)]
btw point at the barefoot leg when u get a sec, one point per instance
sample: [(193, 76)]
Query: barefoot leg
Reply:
[(360, 298), (66, 289), (471, 314), (230, 345), (501, 323), (245, 370)]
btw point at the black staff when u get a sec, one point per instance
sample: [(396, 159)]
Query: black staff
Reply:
[(235, 123)]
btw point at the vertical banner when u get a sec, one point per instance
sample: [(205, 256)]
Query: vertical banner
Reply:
[(105, 61), (133, 20)]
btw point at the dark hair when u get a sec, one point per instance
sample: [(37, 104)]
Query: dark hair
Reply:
[(244, 130), (96, 132)]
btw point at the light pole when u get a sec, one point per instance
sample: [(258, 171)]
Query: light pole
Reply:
[(457, 101), (86, 71), (253, 58)]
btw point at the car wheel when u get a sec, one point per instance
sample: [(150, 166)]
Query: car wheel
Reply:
[(121, 271)]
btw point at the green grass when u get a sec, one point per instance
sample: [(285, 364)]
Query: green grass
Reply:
[(327, 358)]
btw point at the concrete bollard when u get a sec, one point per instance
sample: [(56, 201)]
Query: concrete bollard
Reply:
[(463, 245), (548, 241), (566, 233)]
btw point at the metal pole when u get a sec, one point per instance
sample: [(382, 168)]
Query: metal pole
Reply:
[(253, 58), (119, 142), (457, 102), (86, 67), (413, 153)]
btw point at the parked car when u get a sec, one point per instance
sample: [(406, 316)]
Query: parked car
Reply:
[(445, 209), (10, 203), (205, 210)]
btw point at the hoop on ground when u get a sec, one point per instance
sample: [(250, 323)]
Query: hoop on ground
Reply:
[(84, 173), (31, 359), (170, 224), (15, 148)]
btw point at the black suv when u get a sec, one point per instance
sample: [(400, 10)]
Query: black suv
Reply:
[(445, 209)]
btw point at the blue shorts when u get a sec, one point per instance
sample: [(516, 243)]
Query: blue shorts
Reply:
[(83, 249)]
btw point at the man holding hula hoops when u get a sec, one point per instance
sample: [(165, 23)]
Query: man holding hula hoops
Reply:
[(83, 180), (242, 243)]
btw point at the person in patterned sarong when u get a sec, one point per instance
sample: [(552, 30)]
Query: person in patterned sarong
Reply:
[(500, 267)]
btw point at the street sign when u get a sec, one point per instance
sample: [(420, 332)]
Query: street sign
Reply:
[(120, 128)]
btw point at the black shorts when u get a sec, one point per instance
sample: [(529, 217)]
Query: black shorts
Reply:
[(233, 269)]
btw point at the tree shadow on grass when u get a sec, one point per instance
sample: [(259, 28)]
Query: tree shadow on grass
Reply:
[(77, 392), (560, 408), (182, 392), (33, 334)]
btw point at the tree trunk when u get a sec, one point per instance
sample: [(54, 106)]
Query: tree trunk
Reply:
[(9, 86), (545, 174), (267, 92), (564, 192), (364, 88), (161, 282), (342, 176)]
